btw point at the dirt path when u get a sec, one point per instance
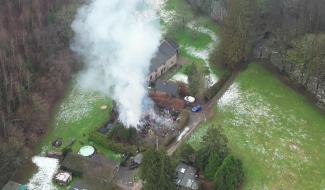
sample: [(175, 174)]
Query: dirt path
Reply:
[(197, 118)]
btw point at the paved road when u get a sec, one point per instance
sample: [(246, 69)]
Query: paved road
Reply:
[(197, 118)]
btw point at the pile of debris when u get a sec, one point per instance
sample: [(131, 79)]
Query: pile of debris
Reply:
[(160, 122)]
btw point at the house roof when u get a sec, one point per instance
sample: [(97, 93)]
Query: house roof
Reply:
[(77, 163), (168, 87), (186, 176), (166, 50)]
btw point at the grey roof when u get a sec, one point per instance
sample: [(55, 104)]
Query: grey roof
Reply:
[(138, 158), (186, 176), (106, 128), (166, 50), (168, 87)]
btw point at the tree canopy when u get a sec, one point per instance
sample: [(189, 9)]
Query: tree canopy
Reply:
[(157, 171)]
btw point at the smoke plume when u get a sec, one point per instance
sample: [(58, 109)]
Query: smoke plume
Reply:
[(117, 39)]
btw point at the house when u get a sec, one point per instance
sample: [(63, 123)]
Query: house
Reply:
[(11, 185), (165, 58), (167, 87), (186, 177)]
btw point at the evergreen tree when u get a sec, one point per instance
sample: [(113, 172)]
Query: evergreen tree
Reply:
[(238, 31), (229, 175), (157, 171), (212, 166), (216, 141)]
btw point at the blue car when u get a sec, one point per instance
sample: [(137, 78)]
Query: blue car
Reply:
[(197, 108)]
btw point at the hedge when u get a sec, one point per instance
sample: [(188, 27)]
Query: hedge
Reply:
[(102, 140)]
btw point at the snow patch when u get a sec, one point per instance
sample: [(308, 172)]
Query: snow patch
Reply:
[(47, 167), (180, 77), (77, 105)]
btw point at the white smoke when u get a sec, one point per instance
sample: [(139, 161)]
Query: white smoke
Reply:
[(117, 39)]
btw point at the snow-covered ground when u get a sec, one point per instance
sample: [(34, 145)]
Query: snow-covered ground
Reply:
[(180, 77), (204, 53), (42, 180), (77, 105)]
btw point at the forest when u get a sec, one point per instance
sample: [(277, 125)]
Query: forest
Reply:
[(35, 66)]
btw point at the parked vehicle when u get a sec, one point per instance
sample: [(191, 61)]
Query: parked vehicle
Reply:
[(197, 108), (189, 99)]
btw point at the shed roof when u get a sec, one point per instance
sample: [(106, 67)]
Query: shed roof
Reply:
[(166, 50), (186, 176), (168, 87)]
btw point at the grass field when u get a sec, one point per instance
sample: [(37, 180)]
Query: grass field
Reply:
[(278, 134), (77, 115)]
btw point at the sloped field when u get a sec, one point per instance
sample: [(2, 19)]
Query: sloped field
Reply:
[(278, 134)]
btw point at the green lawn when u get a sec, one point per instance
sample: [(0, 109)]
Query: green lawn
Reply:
[(196, 34), (278, 134), (77, 115)]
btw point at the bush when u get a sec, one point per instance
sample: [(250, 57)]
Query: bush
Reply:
[(102, 140), (121, 134), (184, 119)]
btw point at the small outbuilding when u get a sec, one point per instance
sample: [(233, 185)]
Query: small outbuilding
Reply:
[(186, 177), (106, 128), (138, 158), (63, 178), (136, 161)]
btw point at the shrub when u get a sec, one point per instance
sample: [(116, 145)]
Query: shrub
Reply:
[(102, 140), (184, 119), (121, 134)]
